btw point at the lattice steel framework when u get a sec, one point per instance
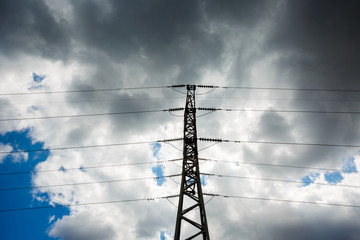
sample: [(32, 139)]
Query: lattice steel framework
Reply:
[(191, 208)]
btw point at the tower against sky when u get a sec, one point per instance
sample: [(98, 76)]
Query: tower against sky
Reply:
[(191, 209)]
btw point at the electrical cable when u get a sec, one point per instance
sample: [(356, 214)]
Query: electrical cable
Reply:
[(285, 99), (82, 91), (171, 203), (280, 180), (174, 146), (83, 115), (177, 86), (281, 165), (283, 200), (175, 114), (91, 100), (278, 111), (199, 94), (208, 146), (89, 146), (205, 114), (209, 200), (279, 143), (162, 98), (88, 183), (85, 204), (179, 139), (171, 110), (284, 89), (178, 91), (82, 168)]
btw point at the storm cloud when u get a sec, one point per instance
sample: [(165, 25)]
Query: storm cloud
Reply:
[(77, 45)]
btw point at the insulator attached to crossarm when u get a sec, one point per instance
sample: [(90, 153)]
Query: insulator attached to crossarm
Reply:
[(175, 109), (206, 109), (170, 140), (210, 139), (206, 86), (177, 86)]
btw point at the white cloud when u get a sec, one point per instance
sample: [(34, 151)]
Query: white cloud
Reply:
[(222, 48), (4, 148)]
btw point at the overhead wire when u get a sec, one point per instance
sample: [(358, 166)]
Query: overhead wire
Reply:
[(164, 98), (178, 139), (279, 180), (280, 165), (91, 100), (176, 109), (82, 91), (282, 200), (278, 143), (283, 88), (174, 87), (213, 195), (85, 204), (83, 115), (88, 146), (284, 99), (277, 111), (208, 147), (83, 168), (87, 183)]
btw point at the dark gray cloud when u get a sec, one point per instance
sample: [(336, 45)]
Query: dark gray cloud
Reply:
[(31, 28), (169, 34), (104, 44), (326, 36), (329, 229)]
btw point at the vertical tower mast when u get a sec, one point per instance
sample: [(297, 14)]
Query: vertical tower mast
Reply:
[(191, 208)]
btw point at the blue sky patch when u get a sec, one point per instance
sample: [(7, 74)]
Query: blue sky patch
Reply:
[(29, 223), (349, 165), (307, 180), (38, 78), (158, 170), (156, 148), (334, 177), (202, 179), (162, 236)]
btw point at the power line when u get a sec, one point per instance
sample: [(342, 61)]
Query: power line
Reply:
[(284, 200), (286, 99), (179, 139), (85, 115), (81, 168), (89, 183), (180, 86), (164, 98), (279, 180), (86, 204), (91, 100), (89, 146), (282, 89), (277, 111), (278, 143), (280, 165), (82, 91), (172, 110)]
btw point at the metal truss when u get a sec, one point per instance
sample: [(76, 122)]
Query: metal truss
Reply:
[(191, 207)]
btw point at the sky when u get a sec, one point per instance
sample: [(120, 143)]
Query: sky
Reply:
[(250, 46)]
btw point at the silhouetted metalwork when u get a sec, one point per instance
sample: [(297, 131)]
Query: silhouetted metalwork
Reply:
[(191, 208)]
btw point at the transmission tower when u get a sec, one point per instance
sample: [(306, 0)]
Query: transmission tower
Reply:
[(191, 207)]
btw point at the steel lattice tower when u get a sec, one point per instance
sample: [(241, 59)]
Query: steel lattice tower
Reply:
[(191, 201)]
